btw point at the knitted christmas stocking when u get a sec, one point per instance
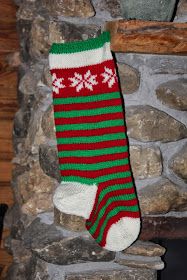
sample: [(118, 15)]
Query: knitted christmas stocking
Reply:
[(92, 143)]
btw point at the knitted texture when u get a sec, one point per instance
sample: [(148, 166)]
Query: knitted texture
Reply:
[(92, 142)]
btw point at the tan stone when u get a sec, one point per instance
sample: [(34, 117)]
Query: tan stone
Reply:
[(154, 263), (143, 248), (179, 163), (74, 8), (70, 222), (161, 197), (129, 78), (35, 181), (39, 38), (173, 94), (146, 123), (38, 203), (48, 124), (145, 162)]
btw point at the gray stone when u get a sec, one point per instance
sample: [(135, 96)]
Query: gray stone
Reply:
[(129, 78), (146, 123), (135, 261), (89, 271), (145, 248), (49, 243), (126, 274), (48, 124), (23, 29), (38, 233), (69, 222), (173, 94), (155, 64), (145, 162), (178, 163), (46, 77), (78, 8), (28, 84), (72, 250), (78, 32), (21, 123), (161, 197), (148, 9), (110, 6), (45, 32), (48, 157)]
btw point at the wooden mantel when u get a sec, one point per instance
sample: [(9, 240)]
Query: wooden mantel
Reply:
[(148, 37)]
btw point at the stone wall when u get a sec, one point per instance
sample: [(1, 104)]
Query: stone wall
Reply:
[(45, 243)]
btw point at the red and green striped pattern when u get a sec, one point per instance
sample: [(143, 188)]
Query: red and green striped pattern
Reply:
[(92, 148)]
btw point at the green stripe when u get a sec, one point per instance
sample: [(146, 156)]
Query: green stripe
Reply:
[(109, 201), (115, 188), (103, 124), (112, 213), (79, 46), (94, 166), (91, 153), (97, 180), (86, 99), (92, 112), (91, 139)]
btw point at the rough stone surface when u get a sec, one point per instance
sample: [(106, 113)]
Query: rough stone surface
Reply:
[(126, 274), (178, 163), (46, 77), (48, 124), (143, 248), (38, 203), (173, 94), (110, 6), (26, 10), (148, 10), (146, 123), (48, 154), (73, 250), (75, 8), (161, 197), (181, 8), (69, 222), (21, 123), (39, 38), (50, 244), (78, 32), (154, 263), (34, 181), (145, 162), (129, 78), (45, 32)]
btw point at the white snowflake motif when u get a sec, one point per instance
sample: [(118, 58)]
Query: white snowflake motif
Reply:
[(109, 77), (57, 83), (83, 81)]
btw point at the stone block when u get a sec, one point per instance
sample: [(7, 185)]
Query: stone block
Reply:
[(145, 162), (178, 163), (146, 123), (129, 78), (173, 94)]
